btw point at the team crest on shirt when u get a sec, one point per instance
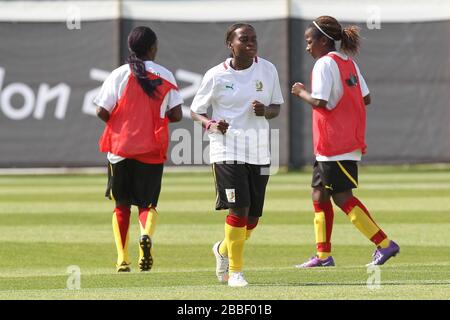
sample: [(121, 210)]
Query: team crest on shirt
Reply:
[(259, 85), (231, 195)]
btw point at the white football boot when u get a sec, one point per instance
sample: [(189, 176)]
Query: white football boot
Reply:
[(221, 263), (237, 279)]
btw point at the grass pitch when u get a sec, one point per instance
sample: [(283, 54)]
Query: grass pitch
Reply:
[(48, 223)]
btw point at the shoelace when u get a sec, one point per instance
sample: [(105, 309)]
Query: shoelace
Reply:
[(377, 255), (307, 262), (240, 276)]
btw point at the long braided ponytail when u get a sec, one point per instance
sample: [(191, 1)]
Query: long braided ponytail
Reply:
[(140, 40)]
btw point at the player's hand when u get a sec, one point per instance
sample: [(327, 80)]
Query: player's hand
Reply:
[(219, 127), (259, 108), (297, 88)]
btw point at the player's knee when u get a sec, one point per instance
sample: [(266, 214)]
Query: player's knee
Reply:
[(341, 198), (252, 222), (239, 212), (319, 194)]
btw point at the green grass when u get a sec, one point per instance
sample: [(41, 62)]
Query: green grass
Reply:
[(48, 223)]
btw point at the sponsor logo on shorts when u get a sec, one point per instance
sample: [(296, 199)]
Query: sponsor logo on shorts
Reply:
[(231, 195)]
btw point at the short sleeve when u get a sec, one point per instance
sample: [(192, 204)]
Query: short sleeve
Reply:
[(202, 100), (175, 97), (109, 92), (322, 80), (277, 96)]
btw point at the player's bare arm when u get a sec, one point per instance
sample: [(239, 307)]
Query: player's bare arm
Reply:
[(299, 90), (367, 100), (175, 114), (202, 118), (272, 111), (213, 126), (103, 114), (269, 112)]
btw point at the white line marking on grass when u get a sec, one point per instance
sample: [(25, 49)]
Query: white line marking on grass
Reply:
[(215, 286), (59, 272)]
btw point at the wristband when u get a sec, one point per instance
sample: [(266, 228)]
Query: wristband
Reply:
[(209, 123)]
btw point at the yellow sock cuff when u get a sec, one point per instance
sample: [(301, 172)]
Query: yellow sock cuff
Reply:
[(385, 243), (323, 255)]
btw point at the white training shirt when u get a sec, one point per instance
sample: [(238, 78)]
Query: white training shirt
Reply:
[(114, 86), (231, 92), (327, 85)]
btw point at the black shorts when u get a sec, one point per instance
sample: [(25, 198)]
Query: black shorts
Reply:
[(240, 185), (134, 183), (335, 176)]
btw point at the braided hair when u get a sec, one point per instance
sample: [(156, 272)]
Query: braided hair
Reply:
[(231, 29), (140, 40)]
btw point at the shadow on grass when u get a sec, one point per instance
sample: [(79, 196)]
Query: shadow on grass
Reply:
[(325, 284)]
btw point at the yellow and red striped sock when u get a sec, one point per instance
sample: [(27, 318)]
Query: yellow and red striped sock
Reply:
[(148, 217), (323, 227), (250, 227), (120, 224), (361, 219), (235, 231)]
